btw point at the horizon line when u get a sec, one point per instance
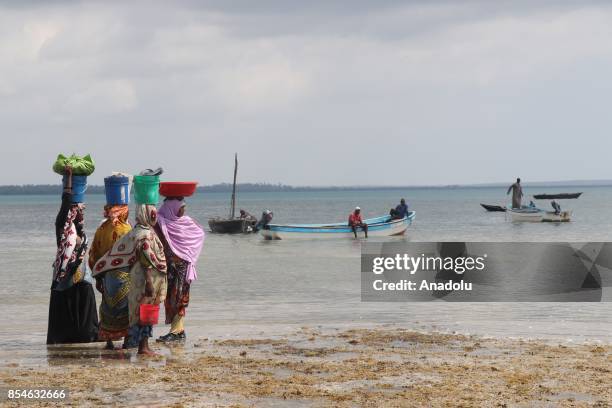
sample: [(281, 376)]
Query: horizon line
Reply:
[(560, 183)]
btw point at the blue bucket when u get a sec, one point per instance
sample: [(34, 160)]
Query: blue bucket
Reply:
[(117, 190), (79, 186)]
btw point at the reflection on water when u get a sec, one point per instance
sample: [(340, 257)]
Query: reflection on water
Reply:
[(248, 286), (61, 355), (95, 354)]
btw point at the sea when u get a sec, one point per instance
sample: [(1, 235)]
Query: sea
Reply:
[(250, 287)]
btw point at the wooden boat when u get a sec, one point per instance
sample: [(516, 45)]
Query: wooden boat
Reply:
[(232, 225), (493, 208), (229, 226), (377, 227), (538, 215), (560, 196)]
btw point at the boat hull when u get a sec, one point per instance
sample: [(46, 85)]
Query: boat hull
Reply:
[(493, 208), (226, 226), (539, 216), (377, 227), (561, 196), (563, 216)]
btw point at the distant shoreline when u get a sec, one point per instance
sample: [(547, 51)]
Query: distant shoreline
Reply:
[(52, 189)]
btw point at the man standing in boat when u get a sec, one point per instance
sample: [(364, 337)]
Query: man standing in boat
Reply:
[(355, 221), (517, 193)]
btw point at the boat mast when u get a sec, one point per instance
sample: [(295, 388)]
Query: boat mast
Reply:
[(233, 210)]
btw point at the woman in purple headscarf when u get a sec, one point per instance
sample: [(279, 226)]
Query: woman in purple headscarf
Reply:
[(182, 238)]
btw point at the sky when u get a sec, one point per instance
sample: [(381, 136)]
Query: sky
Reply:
[(309, 92)]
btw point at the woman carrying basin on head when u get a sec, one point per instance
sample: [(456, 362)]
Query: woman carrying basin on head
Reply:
[(113, 285), (182, 238), (72, 308)]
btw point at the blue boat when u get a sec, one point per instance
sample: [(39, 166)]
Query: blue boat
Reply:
[(377, 227)]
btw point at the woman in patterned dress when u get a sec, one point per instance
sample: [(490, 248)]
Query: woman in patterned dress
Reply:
[(72, 309), (113, 285), (141, 253), (183, 239)]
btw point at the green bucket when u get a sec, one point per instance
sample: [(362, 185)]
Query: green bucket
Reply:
[(146, 189)]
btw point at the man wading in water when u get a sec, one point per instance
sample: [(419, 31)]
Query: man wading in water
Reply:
[(517, 193)]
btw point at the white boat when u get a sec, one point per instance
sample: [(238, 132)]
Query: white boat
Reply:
[(377, 227), (531, 214)]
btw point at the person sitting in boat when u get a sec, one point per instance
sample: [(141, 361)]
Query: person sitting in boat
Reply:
[(400, 212), (532, 204), (355, 221), (245, 215), (266, 218)]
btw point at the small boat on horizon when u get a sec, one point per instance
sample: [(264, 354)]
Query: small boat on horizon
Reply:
[(560, 196), (377, 227), (493, 208)]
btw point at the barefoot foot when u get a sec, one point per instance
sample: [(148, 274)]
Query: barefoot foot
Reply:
[(147, 352)]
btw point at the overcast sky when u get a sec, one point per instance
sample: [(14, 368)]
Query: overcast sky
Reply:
[(308, 92)]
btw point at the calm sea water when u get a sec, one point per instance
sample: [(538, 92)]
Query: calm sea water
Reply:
[(247, 285)]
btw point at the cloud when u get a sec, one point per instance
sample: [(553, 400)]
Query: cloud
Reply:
[(103, 96), (309, 92)]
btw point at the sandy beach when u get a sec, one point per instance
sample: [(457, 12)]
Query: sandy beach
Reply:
[(383, 366)]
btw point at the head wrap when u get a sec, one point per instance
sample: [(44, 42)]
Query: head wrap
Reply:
[(116, 214), (146, 215), (184, 236)]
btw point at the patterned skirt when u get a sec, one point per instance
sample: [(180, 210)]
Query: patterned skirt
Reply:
[(114, 312), (177, 298)]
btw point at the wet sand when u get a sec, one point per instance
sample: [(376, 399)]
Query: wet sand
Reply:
[(323, 367)]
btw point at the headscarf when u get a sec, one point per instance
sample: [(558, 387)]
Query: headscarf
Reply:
[(67, 251), (184, 236), (116, 214), (142, 240), (146, 215)]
